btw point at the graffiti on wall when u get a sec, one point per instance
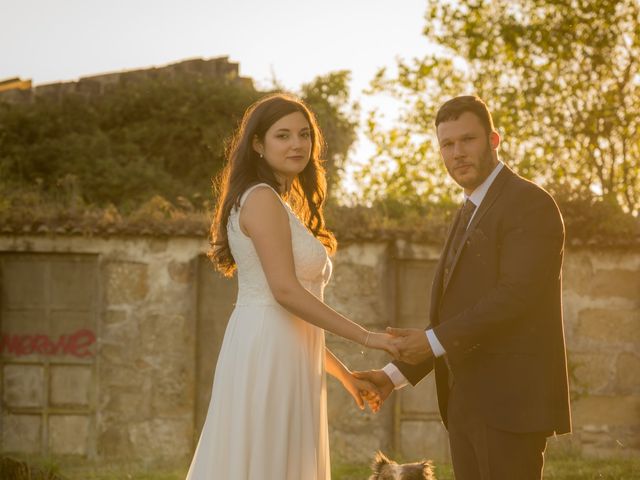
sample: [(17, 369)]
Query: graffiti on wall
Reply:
[(77, 344)]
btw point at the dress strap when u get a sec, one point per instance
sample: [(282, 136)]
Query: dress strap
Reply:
[(246, 193)]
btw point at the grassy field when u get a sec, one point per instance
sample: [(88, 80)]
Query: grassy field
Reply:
[(558, 467)]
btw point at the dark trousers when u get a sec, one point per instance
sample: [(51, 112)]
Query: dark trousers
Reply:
[(479, 452)]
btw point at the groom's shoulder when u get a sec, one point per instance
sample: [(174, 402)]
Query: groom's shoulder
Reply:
[(528, 195), (523, 187)]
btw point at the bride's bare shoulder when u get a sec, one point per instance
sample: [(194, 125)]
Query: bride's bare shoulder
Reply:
[(261, 207)]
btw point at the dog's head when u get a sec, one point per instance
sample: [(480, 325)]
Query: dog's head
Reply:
[(385, 469)]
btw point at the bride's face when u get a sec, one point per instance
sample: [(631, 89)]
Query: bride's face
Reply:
[(287, 145), (468, 152)]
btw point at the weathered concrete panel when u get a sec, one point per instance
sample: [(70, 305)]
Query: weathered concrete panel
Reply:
[(23, 385), (21, 433)]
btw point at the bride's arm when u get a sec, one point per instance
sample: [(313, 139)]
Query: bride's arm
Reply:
[(264, 219), (360, 390), (334, 366)]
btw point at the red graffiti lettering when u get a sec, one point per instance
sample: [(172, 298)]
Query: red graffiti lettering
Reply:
[(77, 344), (80, 342)]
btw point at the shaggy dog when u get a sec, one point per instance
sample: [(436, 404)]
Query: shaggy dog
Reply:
[(385, 469), (12, 469)]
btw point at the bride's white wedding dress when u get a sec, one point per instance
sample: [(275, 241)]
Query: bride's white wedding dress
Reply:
[(267, 419)]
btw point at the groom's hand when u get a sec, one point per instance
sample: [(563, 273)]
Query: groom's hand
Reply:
[(382, 381), (412, 343)]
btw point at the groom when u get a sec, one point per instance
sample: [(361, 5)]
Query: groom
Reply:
[(495, 337)]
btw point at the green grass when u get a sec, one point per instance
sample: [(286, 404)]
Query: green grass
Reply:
[(557, 467)]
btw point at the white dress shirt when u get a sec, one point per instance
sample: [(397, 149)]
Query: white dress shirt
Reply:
[(477, 196)]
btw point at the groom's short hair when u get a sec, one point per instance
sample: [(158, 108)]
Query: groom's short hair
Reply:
[(452, 109)]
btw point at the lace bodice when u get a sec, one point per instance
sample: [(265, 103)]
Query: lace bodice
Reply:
[(312, 264)]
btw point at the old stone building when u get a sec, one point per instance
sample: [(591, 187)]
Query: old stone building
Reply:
[(15, 90), (109, 344)]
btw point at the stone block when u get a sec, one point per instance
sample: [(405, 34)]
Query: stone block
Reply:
[(161, 438), (157, 245), (609, 325), (163, 334), (120, 345), (120, 374), (424, 439), (126, 282), (349, 447), (128, 404), (356, 292), (422, 398), (124, 334), (21, 433), (607, 442), (597, 411), (592, 372), (69, 434), (115, 316), (23, 385), (628, 373), (114, 442), (577, 272), (613, 283), (71, 385), (354, 281), (414, 292), (365, 254), (169, 398), (180, 272)]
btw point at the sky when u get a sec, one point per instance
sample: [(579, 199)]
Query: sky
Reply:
[(292, 40)]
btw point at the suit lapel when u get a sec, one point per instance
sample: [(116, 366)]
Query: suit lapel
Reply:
[(436, 289), (492, 194)]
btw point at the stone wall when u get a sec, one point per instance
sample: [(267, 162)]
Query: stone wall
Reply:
[(91, 86), (151, 366), (142, 404), (602, 322)]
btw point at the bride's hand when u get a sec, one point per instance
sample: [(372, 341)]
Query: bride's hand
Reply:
[(362, 391), (383, 341)]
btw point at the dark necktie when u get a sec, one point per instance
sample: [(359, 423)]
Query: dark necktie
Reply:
[(465, 216)]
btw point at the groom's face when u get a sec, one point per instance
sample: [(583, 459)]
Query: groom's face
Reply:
[(467, 150)]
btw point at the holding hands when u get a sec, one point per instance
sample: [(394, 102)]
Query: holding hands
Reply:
[(362, 390), (412, 345), (382, 383), (382, 341), (409, 345)]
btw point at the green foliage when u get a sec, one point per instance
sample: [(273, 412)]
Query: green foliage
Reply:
[(328, 97), (588, 221), (156, 137), (163, 136), (561, 78)]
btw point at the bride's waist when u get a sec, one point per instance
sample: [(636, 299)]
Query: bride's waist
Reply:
[(263, 296)]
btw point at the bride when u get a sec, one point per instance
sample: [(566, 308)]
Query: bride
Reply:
[(267, 419)]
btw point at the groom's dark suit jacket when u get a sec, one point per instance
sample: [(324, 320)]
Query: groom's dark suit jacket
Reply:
[(497, 312)]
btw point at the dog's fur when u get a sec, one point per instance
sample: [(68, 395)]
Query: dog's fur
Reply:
[(13, 469), (385, 469)]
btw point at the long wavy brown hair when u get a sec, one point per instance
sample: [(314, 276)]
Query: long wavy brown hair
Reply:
[(245, 168)]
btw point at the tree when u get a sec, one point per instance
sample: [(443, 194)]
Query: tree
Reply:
[(562, 79), (328, 97), (162, 136)]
